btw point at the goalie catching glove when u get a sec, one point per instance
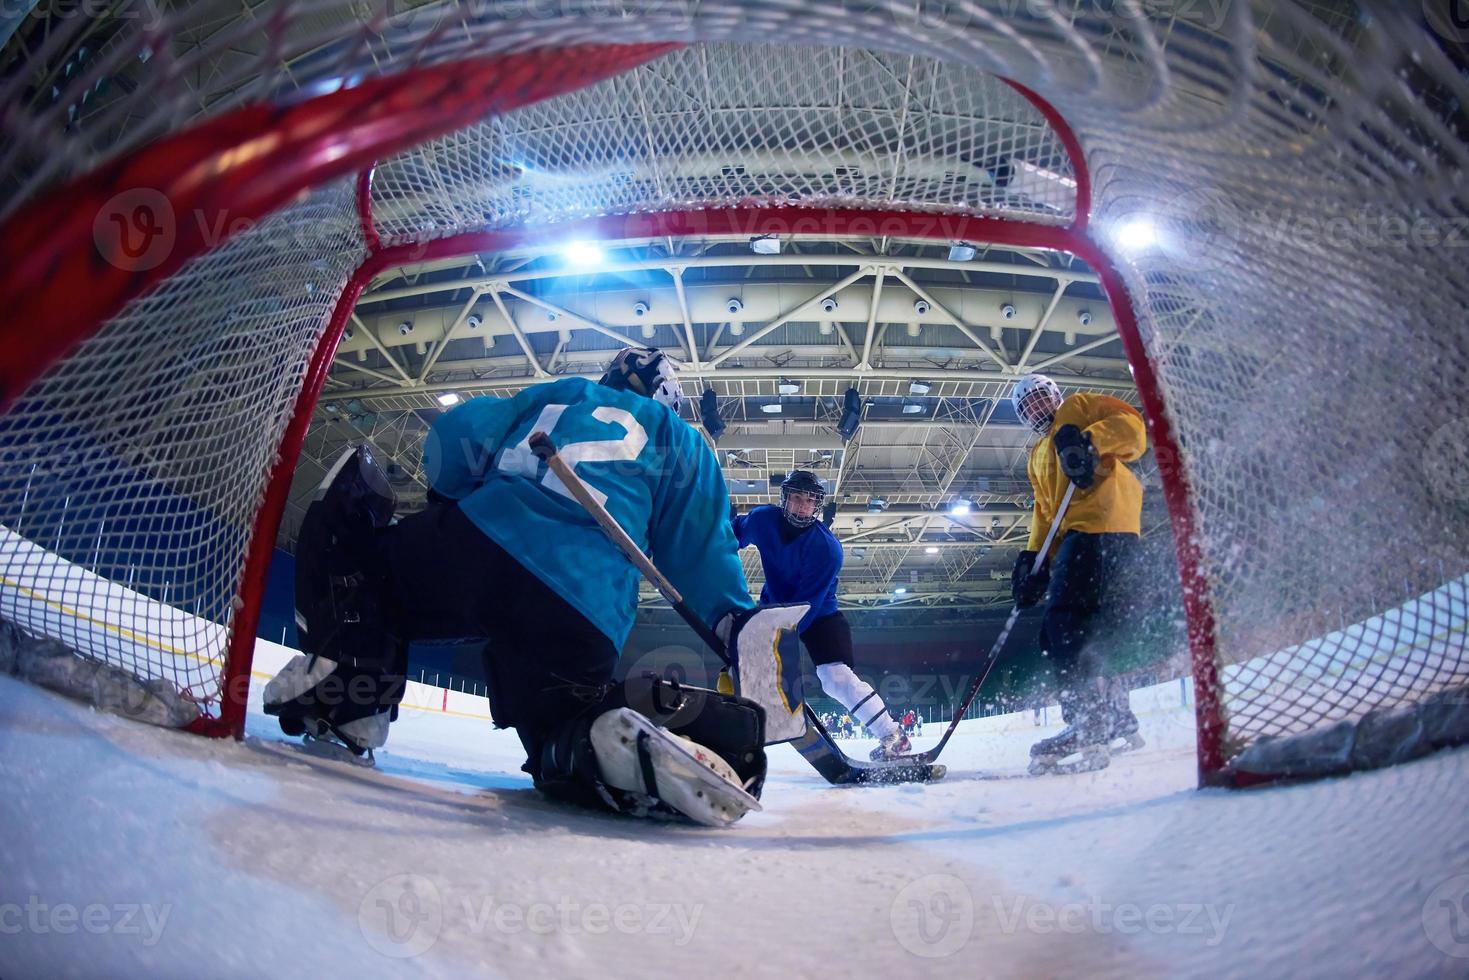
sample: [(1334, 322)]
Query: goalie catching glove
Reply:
[(751, 639)]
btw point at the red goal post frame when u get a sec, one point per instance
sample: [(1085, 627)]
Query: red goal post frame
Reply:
[(53, 271)]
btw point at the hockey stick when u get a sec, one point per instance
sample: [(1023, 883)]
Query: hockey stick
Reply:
[(545, 450), (816, 745), (999, 644)]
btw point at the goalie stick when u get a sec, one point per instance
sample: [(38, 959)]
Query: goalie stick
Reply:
[(816, 746), (999, 644)]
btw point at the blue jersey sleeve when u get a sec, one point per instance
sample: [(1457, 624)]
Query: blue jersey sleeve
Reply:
[(737, 524), (460, 447), (692, 539)]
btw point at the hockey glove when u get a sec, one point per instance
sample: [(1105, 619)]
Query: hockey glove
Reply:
[(1078, 456), (1026, 588)]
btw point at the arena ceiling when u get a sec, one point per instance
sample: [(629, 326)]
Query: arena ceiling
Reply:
[(931, 344)]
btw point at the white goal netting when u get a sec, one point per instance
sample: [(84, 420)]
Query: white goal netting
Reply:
[(1303, 308)]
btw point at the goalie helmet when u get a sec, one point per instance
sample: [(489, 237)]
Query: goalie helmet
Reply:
[(802, 482), (646, 371), (1036, 399)]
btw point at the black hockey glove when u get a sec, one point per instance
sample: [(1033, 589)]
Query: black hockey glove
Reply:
[(1025, 588), (1078, 455)]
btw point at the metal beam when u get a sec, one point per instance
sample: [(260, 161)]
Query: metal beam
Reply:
[(785, 318), (866, 363), (530, 354)]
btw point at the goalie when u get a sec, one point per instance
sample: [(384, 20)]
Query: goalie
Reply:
[(1085, 440), (504, 553)]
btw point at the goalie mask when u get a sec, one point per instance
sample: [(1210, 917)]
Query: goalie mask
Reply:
[(801, 497), (1036, 399), (646, 371)]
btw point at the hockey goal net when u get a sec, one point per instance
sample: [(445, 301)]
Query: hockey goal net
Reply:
[(194, 200)]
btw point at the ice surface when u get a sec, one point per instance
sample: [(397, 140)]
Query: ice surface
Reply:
[(253, 859)]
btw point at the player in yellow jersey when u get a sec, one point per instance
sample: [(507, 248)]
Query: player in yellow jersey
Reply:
[(1085, 440)]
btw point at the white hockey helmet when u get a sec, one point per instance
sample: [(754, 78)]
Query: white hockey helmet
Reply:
[(1036, 399), (647, 371)]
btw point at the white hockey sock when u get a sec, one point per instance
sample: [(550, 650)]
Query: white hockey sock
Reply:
[(857, 696)]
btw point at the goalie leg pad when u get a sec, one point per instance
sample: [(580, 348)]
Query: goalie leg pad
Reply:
[(723, 734), (657, 769), (762, 673)]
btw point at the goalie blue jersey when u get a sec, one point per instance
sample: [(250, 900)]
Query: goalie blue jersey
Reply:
[(653, 472), (801, 570)]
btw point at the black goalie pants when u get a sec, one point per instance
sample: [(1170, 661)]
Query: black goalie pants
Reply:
[(545, 663)]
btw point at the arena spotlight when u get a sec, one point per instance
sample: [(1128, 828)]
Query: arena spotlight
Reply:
[(1137, 234), (851, 415), (709, 414), (449, 399), (961, 252), (901, 590), (961, 508), (765, 245), (582, 254), (788, 387), (931, 550), (919, 387)]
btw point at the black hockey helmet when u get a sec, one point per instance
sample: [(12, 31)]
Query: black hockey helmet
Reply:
[(647, 371), (804, 482)]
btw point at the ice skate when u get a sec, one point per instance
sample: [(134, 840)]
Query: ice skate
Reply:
[(1067, 752), (892, 748), (322, 741), (1123, 725)]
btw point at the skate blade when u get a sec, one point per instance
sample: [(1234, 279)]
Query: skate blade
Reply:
[(1130, 743), (1089, 759), (325, 748), (692, 788)]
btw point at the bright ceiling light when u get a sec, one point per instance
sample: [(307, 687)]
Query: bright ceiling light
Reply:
[(917, 387), (788, 387), (930, 550), (900, 590), (959, 508), (582, 253), (772, 409), (911, 409), (765, 245), (449, 399), (1136, 234), (961, 252)]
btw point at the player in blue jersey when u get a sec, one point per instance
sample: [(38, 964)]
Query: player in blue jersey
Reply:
[(802, 558), (505, 553)]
